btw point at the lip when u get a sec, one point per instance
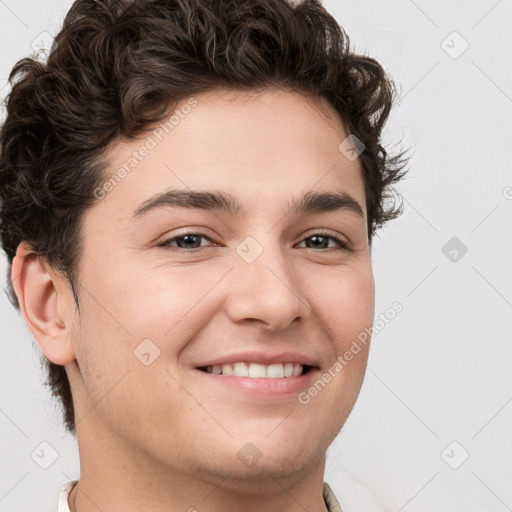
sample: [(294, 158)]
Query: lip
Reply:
[(266, 388), (265, 358)]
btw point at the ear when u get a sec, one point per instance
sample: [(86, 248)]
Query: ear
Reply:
[(46, 304)]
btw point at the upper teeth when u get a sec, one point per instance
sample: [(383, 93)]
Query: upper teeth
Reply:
[(257, 371)]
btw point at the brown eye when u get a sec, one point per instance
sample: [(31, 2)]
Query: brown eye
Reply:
[(186, 241), (321, 241)]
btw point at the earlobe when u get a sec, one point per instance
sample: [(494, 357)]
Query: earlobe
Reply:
[(42, 298)]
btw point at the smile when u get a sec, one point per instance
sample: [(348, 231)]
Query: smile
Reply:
[(257, 370)]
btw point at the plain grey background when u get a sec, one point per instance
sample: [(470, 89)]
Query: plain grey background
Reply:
[(431, 430)]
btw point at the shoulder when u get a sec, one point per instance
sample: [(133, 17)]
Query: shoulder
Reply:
[(352, 495)]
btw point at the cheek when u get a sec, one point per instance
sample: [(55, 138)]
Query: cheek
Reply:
[(126, 389), (104, 349), (171, 305), (149, 302), (347, 306)]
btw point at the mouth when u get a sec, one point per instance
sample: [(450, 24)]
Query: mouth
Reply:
[(259, 381), (257, 370)]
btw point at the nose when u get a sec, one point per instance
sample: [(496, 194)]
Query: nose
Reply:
[(266, 290)]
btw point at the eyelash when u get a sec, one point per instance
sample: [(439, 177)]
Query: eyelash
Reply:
[(166, 243)]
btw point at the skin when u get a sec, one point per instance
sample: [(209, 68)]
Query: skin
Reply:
[(155, 437)]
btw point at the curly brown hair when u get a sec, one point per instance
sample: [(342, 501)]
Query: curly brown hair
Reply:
[(118, 66)]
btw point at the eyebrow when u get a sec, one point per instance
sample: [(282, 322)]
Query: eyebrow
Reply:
[(217, 200)]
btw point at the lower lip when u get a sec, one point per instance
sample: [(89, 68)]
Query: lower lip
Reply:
[(280, 387)]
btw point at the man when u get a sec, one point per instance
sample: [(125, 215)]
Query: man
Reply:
[(189, 193)]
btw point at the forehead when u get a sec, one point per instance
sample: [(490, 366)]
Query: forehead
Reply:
[(261, 147)]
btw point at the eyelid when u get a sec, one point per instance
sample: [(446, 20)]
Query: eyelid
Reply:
[(200, 232), (190, 230), (328, 232), (344, 244)]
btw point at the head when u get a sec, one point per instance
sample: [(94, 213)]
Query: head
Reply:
[(254, 100)]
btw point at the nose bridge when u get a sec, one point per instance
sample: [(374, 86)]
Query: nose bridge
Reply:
[(263, 284)]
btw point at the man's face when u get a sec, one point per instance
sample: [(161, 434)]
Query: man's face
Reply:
[(268, 285)]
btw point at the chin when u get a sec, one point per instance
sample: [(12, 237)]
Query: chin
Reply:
[(259, 461), (283, 459)]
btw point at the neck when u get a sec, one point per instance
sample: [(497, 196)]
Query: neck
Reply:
[(119, 478), (92, 493), (122, 471)]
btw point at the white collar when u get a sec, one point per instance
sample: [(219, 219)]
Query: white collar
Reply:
[(63, 496)]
